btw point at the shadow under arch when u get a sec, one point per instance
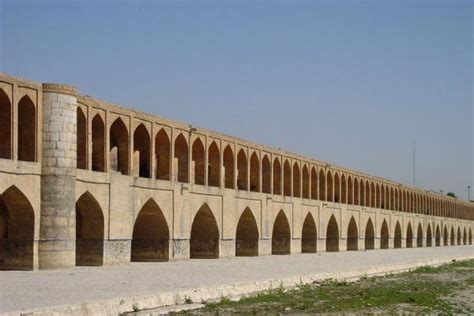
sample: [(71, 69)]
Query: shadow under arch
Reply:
[(204, 243), (309, 235), (89, 231), (17, 225), (150, 239), (332, 235), (246, 236), (281, 235)]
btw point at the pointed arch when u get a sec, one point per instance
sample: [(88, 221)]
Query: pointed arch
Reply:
[(246, 237), (296, 180), (464, 238), (437, 236), (213, 166), (5, 126), (281, 235), (332, 235), (470, 236), (322, 185), (380, 196), (397, 240), (141, 152), (26, 129), (81, 144), (367, 194), (373, 195), (429, 236), (98, 144), (352, 235), (329, 187), (229, 174), (276, 177), (162, 155), (357, 195), (17, 226), (419, 236), (266, 175), (242, 175), (204, 242), (198, 160), (309, 235), (445, 236), (286, 178), (254, 173), (337, 188), (150, 240), (89, 231), (362, 193), (119, 147), (369, 235), (314, 184), (181, 153), (452, 239), (343, 189), (384, 236), (409, 240), (458, 242), (305, 182), (350, 191)]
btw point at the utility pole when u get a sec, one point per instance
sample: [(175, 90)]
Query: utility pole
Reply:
[(414, 163)]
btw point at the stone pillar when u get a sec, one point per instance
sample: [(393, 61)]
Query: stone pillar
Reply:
[(58, 178)]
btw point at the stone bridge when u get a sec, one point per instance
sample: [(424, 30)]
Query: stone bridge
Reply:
[(86, 182)]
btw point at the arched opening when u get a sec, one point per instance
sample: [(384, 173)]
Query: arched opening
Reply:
[(242, 170), (286, 178), (98, 144), (419, 236), (367, 194), (409, 236), (214, 166), (119, 147), (352, 235), (141, 152), (384, 236), (314, 184), (337, 188), (17, 224), (246, 238), (459, 237), (305, 182), (380, 197), (150, 241), (81, 144), (254, 173), (332, 235), (329, 188), (5, 126), (373, 195), (309, 236), (162, 155), (470, 236), (350, 191), (452, 241), (343, 189), (26, 130), (356, 192), (445, 236), (89, 232), (322, 185), (397, 241), (181, 154), (362, 193), (296, 180), (437, 237), (281, 235), (276, 176), (464, 237), (229, 167), (429, 237), (266, 175), (198, 162), (204, 241), (369, 235)]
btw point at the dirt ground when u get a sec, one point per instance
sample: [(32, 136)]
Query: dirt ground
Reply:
[(448, 289)]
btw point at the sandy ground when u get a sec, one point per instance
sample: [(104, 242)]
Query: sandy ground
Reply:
[(26, 289)]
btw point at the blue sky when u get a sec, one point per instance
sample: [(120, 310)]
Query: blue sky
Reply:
[(360, 79)]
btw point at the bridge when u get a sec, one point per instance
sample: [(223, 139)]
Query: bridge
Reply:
[(86, 182)]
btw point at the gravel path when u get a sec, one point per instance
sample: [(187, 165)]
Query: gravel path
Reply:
[(26, 290)]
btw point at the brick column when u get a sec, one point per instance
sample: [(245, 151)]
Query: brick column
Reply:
[(58, 178)]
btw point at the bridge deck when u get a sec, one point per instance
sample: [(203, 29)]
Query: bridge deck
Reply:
[(116, 288)]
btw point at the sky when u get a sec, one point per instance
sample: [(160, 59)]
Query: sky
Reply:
[(354, 83)]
